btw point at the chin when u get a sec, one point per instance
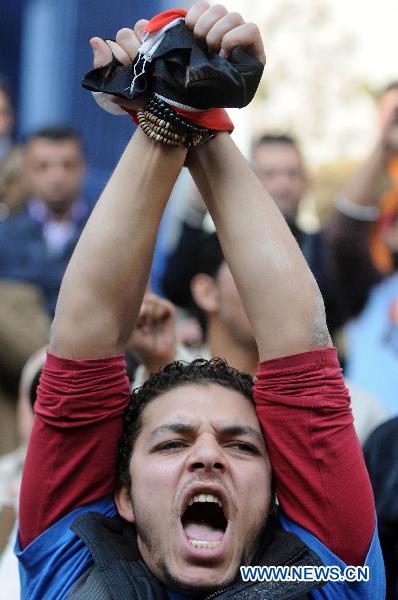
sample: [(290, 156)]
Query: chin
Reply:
[(203, 582), (195, 577)]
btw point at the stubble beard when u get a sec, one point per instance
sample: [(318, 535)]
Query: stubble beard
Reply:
[(152, 542)]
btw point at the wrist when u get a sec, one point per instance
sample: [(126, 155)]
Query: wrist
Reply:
[(163, 124), (158, 152), (199, 154)]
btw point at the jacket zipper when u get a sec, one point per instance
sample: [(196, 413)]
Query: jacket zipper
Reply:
[(215, 594)]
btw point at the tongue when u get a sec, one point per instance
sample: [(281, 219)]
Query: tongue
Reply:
[(203, 532)]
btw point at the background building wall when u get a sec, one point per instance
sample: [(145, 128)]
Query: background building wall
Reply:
[(10, 37), (55, 54)]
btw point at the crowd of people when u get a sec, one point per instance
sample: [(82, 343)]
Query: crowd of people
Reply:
[(155, 414)]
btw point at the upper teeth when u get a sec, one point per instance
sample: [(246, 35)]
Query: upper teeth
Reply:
[(205, 498)]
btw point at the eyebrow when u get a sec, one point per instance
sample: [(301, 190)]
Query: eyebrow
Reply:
[(172, 428), (228, 431), (239, 430)]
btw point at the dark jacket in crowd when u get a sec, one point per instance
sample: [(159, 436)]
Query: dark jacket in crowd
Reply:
[(353, 269)]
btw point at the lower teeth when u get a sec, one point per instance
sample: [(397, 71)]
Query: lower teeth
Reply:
[(200, 544)]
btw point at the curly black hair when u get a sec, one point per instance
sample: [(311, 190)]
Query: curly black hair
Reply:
[(176, 374)]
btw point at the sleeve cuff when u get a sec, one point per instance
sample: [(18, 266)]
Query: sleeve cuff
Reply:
[(58, 362), (312, 359)]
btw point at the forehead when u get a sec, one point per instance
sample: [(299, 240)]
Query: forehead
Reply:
[(277, 154), (42, 148), (201, 405)]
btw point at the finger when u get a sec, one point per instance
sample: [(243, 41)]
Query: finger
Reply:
[(163, 311), (161, 316), (145, 305), (195, 12), (248, 36), (141, 317), (158, 313), (128, 41), (170, 310), (150, 313), (221, 28), (140, 322), (146, 321), (119, 53), (208, 19), (157, 309), (102, 52), (139, 27)]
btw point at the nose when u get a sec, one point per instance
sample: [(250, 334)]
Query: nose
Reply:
[(206, 455), (58, 172)]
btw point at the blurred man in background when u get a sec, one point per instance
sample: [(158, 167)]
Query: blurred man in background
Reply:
[(228, 332), (279, 165), (35, 247), (199, 278)]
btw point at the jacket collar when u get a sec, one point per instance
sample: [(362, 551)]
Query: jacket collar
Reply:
[(112, 543)]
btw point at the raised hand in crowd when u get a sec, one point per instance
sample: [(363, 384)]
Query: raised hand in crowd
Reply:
[(154, 338)]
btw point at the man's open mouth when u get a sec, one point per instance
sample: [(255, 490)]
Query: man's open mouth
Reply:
[(204, 521)]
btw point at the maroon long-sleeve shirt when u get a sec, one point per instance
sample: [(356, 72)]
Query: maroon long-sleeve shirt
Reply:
[(304, 410)]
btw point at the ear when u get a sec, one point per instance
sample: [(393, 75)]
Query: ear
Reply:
[(124, 505), (205, 293)]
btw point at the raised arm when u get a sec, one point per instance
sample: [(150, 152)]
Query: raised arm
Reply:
[(354, 232), (104, 284), (363, 190), (103, 287), (278, 291)]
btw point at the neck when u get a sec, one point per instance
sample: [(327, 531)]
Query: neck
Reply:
[(222, 344)]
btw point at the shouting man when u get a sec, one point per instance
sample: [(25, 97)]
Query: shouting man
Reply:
[(191, 498)]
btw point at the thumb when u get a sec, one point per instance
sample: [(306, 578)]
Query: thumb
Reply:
[(102, 52)]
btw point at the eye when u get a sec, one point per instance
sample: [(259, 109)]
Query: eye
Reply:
[(244, 447), (171, 445)]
